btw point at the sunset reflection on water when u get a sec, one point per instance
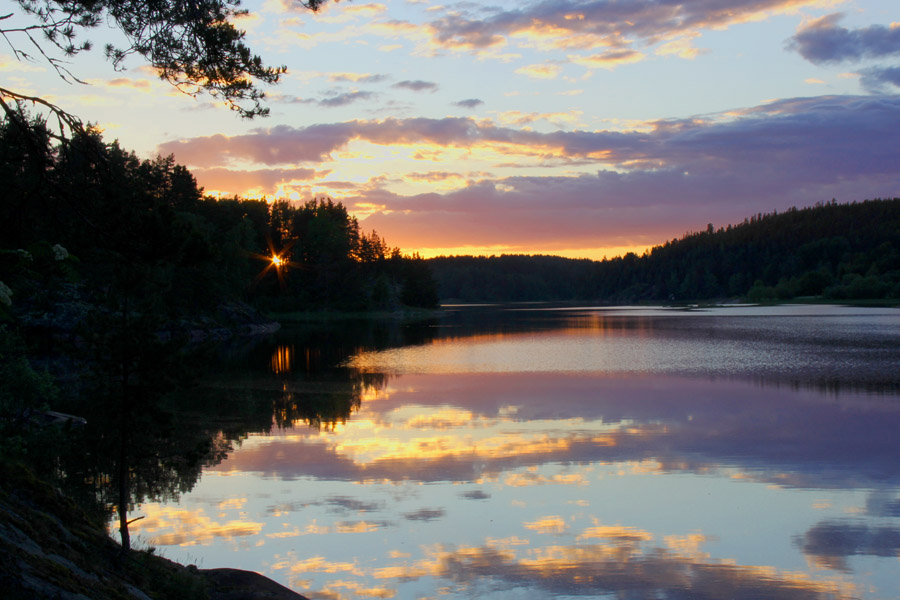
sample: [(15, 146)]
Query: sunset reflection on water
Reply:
[(641, 483)]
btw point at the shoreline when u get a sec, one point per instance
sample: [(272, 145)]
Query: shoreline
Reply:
[(49, 548)]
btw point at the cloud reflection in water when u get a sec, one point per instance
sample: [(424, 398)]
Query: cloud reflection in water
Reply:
[(641, 480)]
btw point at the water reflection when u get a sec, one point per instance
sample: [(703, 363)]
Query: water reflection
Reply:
[(830, 544), (283, 359), (465, 427), (622, 566), (829, 347), (684, 478)]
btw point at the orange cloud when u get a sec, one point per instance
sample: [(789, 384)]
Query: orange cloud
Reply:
[(545, 71), (173, 526), (554, 524), (615, 533), (257, 181), (609, 59), (621, 566), (136, 84), (316, 564), (529, 479)]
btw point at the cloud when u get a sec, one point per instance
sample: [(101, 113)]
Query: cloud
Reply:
[(515, 117), (823, 41), (678, 425), (831, 543), (552, 525), (433, 176), (540, 71), (416, 86), (138, 84), (619, 568), (332, 99), (265, 181), (647, 184), (624, 562), (469, 103), (609, 59), (839, 130), (475, 495), (147, 86), (345, 98), (358, 77), (457, 32), (425, 514), (271, 146), (286, 145), (593, 24), (877, 79), (282, 99), (882, 504), (787, 155), (187, 528)]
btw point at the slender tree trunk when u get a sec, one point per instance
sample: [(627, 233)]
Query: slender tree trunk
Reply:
[(123, 507), (123, 437)]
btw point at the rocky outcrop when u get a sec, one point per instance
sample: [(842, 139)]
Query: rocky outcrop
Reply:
[(234, 584), (49, 548)]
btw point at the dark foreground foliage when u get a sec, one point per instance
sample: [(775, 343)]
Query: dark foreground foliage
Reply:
[(831, 251), (50, 548)]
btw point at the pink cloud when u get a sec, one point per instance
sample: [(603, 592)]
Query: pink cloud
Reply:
[(649, 186), (289, 145), (265, 180), (607, 209), (588, 24), (820, 137)]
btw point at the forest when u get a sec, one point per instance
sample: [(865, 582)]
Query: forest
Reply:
[(85, 223), (830, 251)]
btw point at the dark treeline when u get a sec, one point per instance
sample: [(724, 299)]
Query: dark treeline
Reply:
[(87, 221), (512, 278), (834, 251)]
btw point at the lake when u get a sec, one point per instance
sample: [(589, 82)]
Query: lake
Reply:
[(558, 452)]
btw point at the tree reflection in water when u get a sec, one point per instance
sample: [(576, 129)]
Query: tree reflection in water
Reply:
[(159, 412)]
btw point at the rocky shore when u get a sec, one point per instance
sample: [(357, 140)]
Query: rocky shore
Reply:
[(49, 548)]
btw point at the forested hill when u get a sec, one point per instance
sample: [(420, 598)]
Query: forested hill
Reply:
[(88, 229), (835, 251)]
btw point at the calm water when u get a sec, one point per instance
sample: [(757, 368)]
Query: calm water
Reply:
[(526, 452)]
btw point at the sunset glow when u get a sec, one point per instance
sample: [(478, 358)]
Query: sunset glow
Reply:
[(587, 129)]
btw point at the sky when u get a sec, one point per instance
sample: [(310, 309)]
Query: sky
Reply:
[(581, 128)]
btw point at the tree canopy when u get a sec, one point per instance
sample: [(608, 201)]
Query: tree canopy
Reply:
[(834, 251), (192, 45)]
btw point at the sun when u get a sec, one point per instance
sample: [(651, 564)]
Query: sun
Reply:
[(277, 260)]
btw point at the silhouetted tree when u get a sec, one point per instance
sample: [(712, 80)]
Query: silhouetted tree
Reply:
[(192, 45)]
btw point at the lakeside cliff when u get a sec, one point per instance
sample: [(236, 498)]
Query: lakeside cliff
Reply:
[(50, 548)]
